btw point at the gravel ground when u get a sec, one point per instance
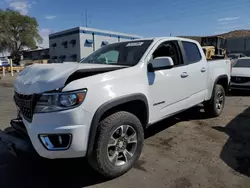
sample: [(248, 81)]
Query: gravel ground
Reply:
[(185, 151)]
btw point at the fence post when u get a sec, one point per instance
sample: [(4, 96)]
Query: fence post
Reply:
[(11, 67), (3, 69)]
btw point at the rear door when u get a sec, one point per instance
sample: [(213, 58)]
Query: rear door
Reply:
[(197, 72)]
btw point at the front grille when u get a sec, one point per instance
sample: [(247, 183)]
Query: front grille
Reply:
[(25, 103), (238, 79), (240, 87)]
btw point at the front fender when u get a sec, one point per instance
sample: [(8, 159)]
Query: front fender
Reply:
[(105, 107)]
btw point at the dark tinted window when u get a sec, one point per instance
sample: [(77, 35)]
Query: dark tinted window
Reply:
[(192, 52), (242, 63)]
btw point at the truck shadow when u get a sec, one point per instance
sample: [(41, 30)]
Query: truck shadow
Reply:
[(238, 93), (236, 152), (38, 172), (194, 113), (74, 173)]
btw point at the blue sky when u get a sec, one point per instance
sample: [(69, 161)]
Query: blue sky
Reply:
[(142, 17)]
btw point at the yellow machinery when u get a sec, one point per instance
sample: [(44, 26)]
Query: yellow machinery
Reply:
[(214, 47)]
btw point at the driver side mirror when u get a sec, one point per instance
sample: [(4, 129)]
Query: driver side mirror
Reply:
[(160, 63)]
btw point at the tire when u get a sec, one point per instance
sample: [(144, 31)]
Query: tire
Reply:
[(100, 159), (212, 107)]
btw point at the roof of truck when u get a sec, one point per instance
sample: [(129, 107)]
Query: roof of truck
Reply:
[(165, 38)]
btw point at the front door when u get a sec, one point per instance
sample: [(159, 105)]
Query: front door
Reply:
[(167, 88)]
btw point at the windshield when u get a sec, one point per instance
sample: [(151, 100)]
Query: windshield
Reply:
[(124, 53), (242, 63), (233, 56), (209, 41)]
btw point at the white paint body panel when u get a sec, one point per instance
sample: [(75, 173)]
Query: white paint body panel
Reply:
[(165, 85), (240, 72)]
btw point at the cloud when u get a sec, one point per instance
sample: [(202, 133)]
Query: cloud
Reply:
[(21, 5), (230, 27), (49, 17), (223, 23), (45, 31), (45, 35), (228, 19)]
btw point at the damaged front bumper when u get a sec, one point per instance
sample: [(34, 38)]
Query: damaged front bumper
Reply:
[(16, 139)]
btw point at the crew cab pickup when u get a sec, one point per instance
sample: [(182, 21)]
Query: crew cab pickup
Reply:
[(100, 107)]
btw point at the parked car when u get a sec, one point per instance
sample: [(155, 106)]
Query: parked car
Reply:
[(4, 61), (99, 108), (240, 78), (235, 56)]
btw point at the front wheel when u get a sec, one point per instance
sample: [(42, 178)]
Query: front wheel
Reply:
[(215, 105), (119, 144)]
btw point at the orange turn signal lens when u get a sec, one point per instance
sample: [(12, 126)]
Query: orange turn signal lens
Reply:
[(81, 97)]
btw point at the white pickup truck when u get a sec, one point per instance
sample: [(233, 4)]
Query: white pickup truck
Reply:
[(100, 107)]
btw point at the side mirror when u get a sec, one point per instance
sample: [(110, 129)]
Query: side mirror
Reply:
[(160, 63)]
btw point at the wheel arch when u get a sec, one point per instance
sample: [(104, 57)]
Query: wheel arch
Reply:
[(223, 81), (107, 107)]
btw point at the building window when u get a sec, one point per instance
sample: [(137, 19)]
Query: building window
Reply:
[(54, 59), (65, 44), (74, 57), (73, 42), (53, 45), (62, 58), (88, 43), (104, 43)]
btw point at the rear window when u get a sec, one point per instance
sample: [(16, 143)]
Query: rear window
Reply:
[(192, 52), (242, 63)]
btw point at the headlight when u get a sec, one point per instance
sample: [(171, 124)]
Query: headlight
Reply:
[(51, 102)]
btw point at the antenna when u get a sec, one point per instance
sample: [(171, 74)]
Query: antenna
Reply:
[(86, 18)]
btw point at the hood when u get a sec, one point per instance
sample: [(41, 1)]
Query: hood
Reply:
[(237, 71), (40, 78)]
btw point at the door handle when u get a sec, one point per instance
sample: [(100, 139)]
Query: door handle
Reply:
[(184, 75), (203, 69)]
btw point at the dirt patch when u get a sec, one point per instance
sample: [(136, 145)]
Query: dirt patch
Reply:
[(6, 84), (162, 143), (182, 183), (139, 165)]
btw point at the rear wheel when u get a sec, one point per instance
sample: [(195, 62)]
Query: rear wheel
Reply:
[(215, 105), (119, 144)]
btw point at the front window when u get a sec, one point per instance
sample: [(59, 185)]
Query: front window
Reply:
[(124, 53), (243, 63), (209, 41)]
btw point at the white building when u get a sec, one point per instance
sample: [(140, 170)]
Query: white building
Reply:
[(76, 43)]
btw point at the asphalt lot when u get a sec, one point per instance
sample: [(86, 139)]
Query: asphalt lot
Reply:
[(186, 151)]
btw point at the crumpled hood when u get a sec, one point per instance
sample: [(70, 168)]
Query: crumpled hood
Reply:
[(39, 78)]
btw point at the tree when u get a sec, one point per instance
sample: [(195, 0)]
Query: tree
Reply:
[(17, 32)]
